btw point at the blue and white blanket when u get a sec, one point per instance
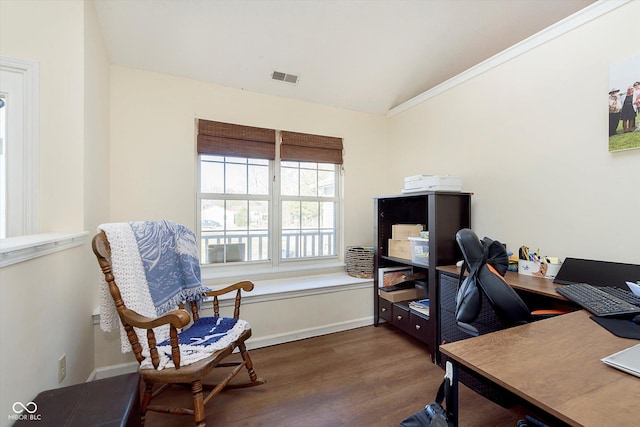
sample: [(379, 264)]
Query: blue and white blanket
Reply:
[(205, 336), (156, 267)]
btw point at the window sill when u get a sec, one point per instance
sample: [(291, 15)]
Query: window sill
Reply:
[(290, 287), (23, 248), (294, 287)]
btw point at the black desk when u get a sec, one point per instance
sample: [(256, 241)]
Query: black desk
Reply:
[(110, 402)]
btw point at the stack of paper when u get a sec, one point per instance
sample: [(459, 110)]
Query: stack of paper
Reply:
[(421, 306)]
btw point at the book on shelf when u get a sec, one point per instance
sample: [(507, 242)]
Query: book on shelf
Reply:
[(421, 306)]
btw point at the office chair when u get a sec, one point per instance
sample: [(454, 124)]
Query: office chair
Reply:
[(149, 269), (485, 302)]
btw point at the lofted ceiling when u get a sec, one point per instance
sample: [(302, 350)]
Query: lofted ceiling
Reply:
[(362, 55)]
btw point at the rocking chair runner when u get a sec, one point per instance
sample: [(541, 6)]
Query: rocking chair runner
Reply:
[(190, 374)]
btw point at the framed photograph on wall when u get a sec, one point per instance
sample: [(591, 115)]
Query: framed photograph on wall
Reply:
[(624, 105)]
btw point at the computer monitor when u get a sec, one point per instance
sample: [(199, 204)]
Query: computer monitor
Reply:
[(597, 273)]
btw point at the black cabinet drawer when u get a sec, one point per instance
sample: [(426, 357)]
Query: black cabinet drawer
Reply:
[(401, 317), (418, 326), (384, 309)]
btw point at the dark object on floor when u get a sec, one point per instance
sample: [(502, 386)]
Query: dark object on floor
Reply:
[(110, 402)]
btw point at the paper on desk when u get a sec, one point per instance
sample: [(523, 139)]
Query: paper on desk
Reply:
[(627, 360), (634, 288)]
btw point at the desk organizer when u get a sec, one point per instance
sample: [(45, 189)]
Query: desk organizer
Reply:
[(530, 268)]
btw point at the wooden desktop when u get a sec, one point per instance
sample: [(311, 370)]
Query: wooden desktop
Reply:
[(554, 365), (530, 284)]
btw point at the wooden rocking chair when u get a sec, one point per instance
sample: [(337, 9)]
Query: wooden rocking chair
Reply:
[(192, 374)]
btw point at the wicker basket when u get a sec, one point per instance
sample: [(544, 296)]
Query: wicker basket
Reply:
[(360, 262)]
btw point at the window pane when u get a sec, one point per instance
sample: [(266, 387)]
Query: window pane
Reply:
[(327, 183), (308, 182), (289, 177), (259, 178), (227, 235), (212, 211), (259, 216), (237, 215), (212, 175), (258, 231), (309, 214), (290, 215), (302, 233), (308, 179), (211, 227), (236, 178), (327, 215)]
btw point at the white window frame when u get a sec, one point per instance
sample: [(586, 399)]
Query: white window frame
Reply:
[(23, 242), (22, 157), (338, 220), (231, 197), (276, 265)]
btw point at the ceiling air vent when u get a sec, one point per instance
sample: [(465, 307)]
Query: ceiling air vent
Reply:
[(284, 77)]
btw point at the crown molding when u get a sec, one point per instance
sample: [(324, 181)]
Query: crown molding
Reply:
[(561, 27)]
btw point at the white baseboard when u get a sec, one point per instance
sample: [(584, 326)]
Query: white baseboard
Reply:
[(113, 370), (259, 342), (253, 343)]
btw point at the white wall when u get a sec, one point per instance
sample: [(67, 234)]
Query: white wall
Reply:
[(529, 139), (97, 95), (153, 145), (46, 303)]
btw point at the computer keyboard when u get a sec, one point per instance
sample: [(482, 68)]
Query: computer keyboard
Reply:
[(623, 294), (596, 300)]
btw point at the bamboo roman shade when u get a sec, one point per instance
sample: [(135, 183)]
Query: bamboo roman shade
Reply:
[(226, 139), (302, 147)]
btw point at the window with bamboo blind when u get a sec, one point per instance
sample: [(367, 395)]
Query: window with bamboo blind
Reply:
[(266, 195)]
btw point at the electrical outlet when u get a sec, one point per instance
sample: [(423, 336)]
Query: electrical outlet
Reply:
[(62, 367)]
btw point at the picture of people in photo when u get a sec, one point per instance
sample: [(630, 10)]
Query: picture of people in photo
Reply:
[(624, 103)]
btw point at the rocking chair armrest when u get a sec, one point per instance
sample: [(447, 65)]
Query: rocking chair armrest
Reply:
[(177, 318), (245, 285)]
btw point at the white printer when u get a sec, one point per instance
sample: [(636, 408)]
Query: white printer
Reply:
[(416, 183)]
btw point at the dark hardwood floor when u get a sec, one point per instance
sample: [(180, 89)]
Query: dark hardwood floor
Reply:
[(370, 376)]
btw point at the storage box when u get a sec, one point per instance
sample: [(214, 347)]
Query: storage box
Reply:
[(431, 183), (529, 268), (404, 231), (419, 250), (401, 295), (400, 248)]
